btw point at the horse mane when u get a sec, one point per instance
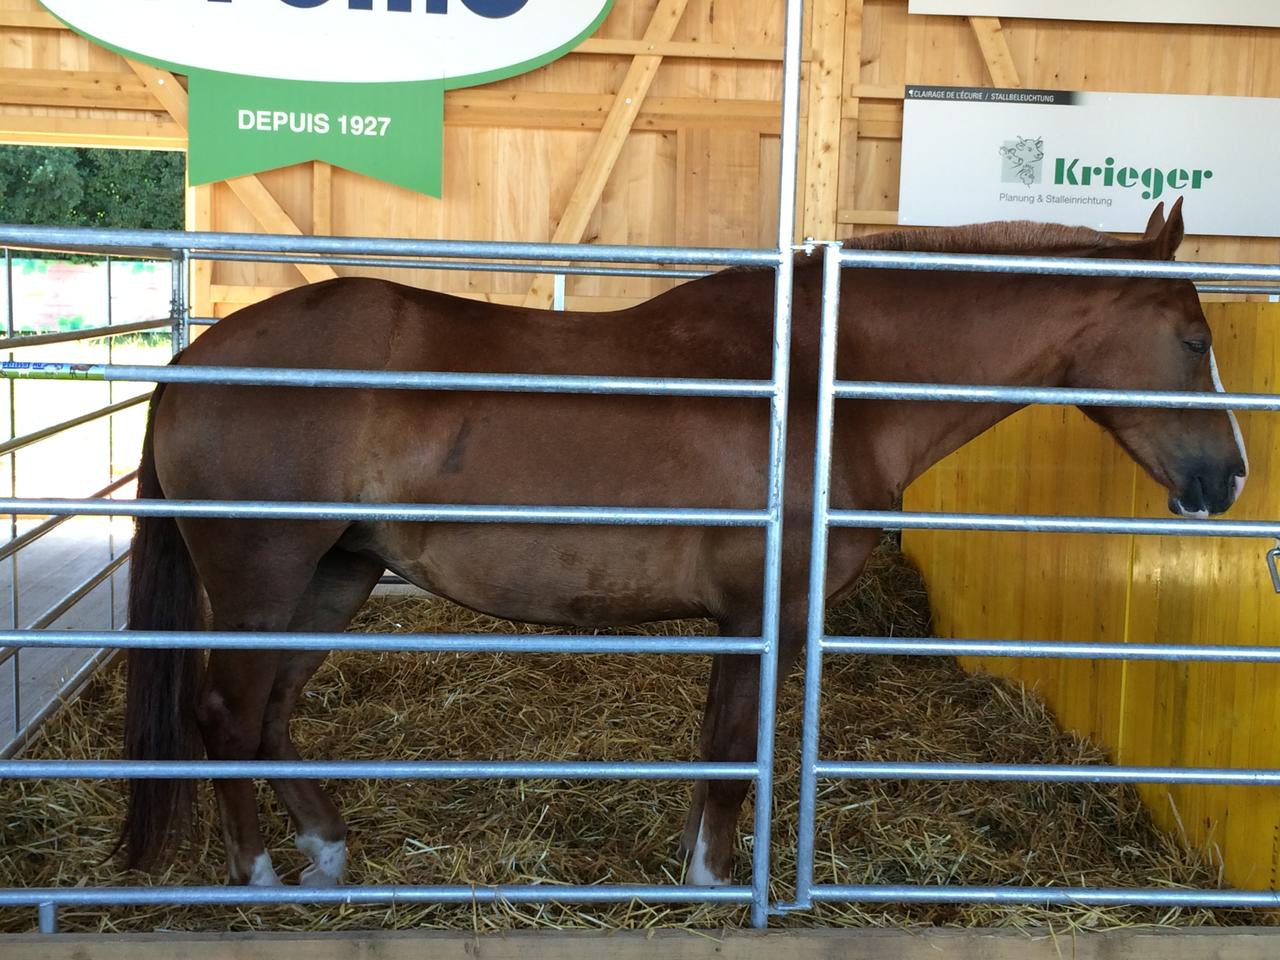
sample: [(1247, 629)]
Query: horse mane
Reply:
[(1007, 237)]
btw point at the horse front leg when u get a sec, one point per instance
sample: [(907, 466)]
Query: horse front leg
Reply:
[(728, 735)]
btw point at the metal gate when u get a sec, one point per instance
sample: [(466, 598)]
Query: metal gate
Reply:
[(181, 249)]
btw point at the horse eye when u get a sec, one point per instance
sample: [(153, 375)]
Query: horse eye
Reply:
[(1196, 346)]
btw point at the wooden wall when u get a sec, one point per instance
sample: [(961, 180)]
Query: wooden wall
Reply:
[(1129, 590), (663, 129)]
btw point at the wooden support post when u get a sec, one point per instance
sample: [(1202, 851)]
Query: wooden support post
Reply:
[(995, 51), (321, 199), (200, 217), (608, 147), (821, 173)]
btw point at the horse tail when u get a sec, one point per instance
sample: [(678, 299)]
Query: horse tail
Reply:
[(160, 698)]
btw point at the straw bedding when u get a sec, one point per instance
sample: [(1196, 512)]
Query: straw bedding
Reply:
[(370, 706)]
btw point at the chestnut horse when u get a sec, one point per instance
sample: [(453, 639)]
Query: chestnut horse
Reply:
[(237, 442)]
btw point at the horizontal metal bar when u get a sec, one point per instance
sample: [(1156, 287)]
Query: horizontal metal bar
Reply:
[(35, 533), (372, 770), (1044, 896), (385, 642), (17, 443), (1045, 773), (965, 393), (68, 692), (164, 243), (1182, 527), (478, 266), (1049, 649), (365, 895), (1056, 266), (1267, 291), (390, 380), (389, 512), (89, 333)]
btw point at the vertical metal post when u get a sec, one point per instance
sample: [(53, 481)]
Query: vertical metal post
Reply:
[(186, 298), (558, 290), (111, 448), (177, 318), (9, 325), (761, 858), (815, 628), (48, 913)]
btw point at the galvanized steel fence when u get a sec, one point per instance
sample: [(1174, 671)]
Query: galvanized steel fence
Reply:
[(182, 249), (815, 768)]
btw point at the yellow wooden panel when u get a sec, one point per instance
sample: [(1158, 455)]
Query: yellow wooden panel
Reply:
[(1215, 591), (1140, 590), (1008, 586)]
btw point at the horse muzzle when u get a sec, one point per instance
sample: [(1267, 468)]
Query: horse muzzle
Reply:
[(1208, 489)]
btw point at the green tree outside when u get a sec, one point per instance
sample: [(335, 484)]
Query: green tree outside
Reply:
[(76, 187)]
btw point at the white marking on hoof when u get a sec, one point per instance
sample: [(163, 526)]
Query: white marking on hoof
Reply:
[(700, 874), (263, 875), (328, 860)]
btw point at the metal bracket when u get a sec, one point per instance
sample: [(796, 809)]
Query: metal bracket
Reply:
[(1272, 556)]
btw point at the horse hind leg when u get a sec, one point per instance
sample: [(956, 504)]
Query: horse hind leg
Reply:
[(342, 583), (254, 575)]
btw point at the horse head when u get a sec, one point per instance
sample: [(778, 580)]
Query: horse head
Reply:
[(1153, 336)]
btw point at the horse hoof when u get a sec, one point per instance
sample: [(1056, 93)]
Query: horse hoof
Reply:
[(328, 860), (700, 872), (263, 874)]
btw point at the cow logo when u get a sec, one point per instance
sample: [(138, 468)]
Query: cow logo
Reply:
[(1022, 161)]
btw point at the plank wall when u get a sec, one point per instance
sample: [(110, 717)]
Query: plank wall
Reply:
[(1129, 590), (663, 129)]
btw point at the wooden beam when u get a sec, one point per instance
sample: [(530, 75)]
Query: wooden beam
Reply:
[(164, 86), (477, 107), (200, 217), (149, 133), (995, 51), (821, 175), (613, 135), (588, 111), (250, 191), (30, 20), (691, 49), (321, 198), (876, 91), (258, 200), (860, 218), (851, 106), (94, 90), (877, 120), (1192, 943)]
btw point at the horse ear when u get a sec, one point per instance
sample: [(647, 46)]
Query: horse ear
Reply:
[(1156, 223), (1170, 235)]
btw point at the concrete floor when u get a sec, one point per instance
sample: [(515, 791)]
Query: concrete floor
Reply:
[(46, 572)]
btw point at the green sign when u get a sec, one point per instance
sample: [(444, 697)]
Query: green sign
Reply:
[(356, 83)]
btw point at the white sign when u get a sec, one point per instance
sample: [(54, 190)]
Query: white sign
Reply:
[(1100, 160), (1245, 13), (337, 41)]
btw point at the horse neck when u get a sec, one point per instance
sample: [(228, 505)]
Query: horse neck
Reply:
[(953, 328)]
